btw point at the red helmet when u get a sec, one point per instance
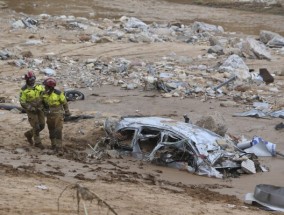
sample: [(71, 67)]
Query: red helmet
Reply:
[(50, 82), (30, 75)]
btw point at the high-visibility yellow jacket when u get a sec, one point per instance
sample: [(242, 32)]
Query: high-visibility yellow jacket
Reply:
[(30, 96), (55, 102)]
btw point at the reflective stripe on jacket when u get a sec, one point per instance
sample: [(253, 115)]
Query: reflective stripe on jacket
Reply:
[(54, 101), (31, 95)]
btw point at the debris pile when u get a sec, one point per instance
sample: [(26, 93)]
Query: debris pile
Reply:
[(186, 146), (173, 75)]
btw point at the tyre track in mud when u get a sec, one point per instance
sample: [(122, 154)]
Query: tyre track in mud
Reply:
[(133, 50)]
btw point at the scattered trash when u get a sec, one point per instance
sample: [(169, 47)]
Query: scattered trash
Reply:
[(33, 42), (261, 114), (225, 83), (259, 147), (42, 187), (248, 166), (252, 113), (4, 55), (231, 206), (269, 196), (49, 72), (30, 23)]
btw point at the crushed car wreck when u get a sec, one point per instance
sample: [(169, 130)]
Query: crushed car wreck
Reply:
[(181, 145)]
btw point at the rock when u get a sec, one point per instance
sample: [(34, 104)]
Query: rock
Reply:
[(236, 66), (216, 49), (266, 36), (150, 79), (175, 94), (131, 86), (132, 22), (78, 25), (90, 65), (204, 27), (49, 72), (4, 55), (255, 49), (113, 154), (20, 63), (101, 40), (27, 54), (214, 41), (44, 16), (163, 32), (276, 42), (116, 34), (214, 122), (236, 51), (18, 24), (20, 151), (85, 37), (167, 95), (141, 37), (3, 5), (37, 62), (91, 60)]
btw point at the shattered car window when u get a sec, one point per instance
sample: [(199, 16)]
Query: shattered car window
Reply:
[(180, 145)]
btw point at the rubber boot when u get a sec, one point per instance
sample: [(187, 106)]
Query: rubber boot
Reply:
[(59, 148), (29, 137), (39, 145), (53, 144)]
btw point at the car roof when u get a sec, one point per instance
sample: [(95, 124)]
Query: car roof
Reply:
[(203, 138)]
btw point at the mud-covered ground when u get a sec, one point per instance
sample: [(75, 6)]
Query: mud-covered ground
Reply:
[(129, 186)]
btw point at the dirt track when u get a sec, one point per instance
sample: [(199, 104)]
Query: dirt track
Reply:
[(128, 185)]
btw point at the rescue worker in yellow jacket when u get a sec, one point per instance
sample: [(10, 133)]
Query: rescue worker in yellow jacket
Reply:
[(56, 107), (31, 101)]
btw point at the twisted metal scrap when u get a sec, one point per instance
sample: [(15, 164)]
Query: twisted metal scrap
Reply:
[(86, 195)]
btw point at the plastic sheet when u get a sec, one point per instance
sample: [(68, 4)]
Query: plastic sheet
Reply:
[(260, 147)]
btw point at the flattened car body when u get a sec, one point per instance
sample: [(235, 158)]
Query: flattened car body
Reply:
[(175, 143)]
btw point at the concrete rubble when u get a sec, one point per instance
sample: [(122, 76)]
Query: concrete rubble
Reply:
[(174, 76)]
